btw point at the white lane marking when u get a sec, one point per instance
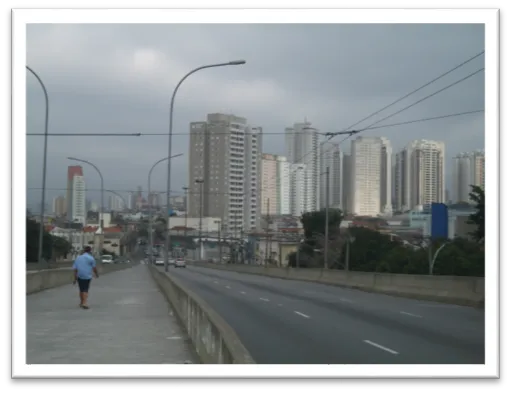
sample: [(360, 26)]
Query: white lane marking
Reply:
[(264, 299), (280, 305), (228, 287), (345, 300), (381, 347), (174, 338), (301, 314), (216, 282), (410, 314), (243, 293)]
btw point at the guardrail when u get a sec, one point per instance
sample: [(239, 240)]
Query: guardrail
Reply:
[(465, 291), (214, 340), (39, 280)]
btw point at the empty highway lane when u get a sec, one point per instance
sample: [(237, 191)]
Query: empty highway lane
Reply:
[(293, 322)]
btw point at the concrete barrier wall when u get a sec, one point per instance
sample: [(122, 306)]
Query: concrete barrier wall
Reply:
[(467, 291), (39, 280), (214, 340)]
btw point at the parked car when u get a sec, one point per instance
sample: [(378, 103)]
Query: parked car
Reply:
[(159, 262)]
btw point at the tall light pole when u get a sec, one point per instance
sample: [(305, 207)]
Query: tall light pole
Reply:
[(169, 158), (125, 205), (102, 196), (201, 183), (186, 210), (230, 63), (45, 155), (327, 208)]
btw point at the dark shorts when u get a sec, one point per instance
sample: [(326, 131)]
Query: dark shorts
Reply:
[(83, 285)]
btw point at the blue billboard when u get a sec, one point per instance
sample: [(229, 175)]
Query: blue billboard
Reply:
[(439, 221)]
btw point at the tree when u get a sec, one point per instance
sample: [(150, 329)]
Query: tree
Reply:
[(32, 233), (477, 196), (53, 246), (314, 222), (61, 247)]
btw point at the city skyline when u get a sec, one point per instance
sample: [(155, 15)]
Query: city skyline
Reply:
[(330, 92)]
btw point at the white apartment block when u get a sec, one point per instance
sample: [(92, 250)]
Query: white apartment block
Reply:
[(370, 177), (225, 155), (302, 145), (131, 200), (275, 185), (115, 203), (331, 158), (78, 210), (419, 175), (298, 200), (468, 169)]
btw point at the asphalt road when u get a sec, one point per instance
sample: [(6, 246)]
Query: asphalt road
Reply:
[(293, 322)]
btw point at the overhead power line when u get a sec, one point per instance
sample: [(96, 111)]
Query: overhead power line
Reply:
[(416, 90), (352, 132), (326, 133)]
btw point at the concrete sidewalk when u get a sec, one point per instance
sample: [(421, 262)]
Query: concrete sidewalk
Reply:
[(129, 322)]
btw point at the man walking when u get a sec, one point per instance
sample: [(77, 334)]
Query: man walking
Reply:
[(83, 267)]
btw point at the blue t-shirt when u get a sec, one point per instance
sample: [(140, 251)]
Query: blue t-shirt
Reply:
[(84, 265)]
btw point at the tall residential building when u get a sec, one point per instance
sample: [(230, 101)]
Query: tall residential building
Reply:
[(225, 154), (275, 185), (370, 182), (302, 145), (419, 174), (75, 196), (59, 206), (115, 203), (346, 183), (298, 201), (154, 199), (331, 158), (131, 200), (468, 169)]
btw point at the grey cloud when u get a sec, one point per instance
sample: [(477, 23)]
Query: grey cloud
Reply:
[(119, 78)]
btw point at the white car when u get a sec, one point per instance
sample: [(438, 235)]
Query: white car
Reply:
[(106, 259), (180, 262), (159, 262)]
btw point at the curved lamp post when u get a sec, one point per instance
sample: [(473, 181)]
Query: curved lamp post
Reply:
[(45, 154), (102, 193), (230, 63), (151, 206)]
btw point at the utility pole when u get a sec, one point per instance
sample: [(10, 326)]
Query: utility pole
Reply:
[(242, 247), (430, 252), (267, 230), (186, 211), (220, 241), (347, 261), (201, 185), (327, 208)]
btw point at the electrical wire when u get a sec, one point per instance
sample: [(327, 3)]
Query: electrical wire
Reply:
[(226, 193)]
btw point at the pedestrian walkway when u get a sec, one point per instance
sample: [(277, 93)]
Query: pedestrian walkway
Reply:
[(129, 322)]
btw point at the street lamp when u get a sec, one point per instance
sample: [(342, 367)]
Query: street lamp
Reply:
[(151, 207), (45, 154), (125, 204), (201, 183), (102, 195), (230, 63), (186, 209)]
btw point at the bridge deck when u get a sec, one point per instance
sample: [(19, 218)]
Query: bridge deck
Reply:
[(129, 322)]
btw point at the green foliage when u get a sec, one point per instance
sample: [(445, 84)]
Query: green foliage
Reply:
[(314, 222), (53, 246), (372, 251), (477, 196)]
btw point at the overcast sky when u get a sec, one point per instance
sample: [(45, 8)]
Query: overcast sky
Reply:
[(119, 78)]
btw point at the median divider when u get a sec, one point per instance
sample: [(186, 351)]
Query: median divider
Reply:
[(214, 340), (39, 280), (465, 291)]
